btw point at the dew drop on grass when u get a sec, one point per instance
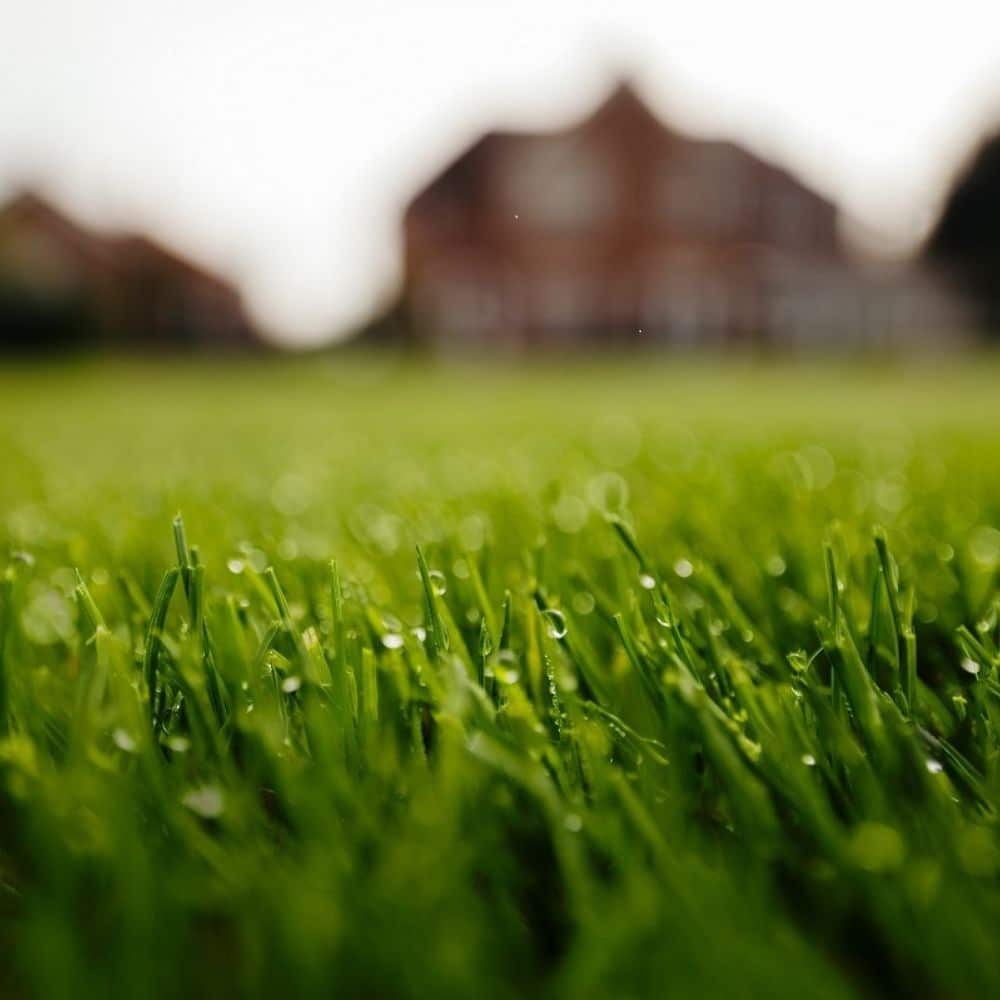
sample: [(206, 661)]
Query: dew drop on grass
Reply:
[(206, 801), (556, 623), (288, 549), (798, 661), (985, 546), (123, 741), (291, 684), (583, 603), (570, 514), (646, 581), (573, 823), (608, 492), (419, 633), (970, 666), (236, 566), (438, 582), (683, 568), (934, 766), (485, 641), (808, 759), (505, 667), (392, 640), (568, 681), (877, 847), (257, 560)]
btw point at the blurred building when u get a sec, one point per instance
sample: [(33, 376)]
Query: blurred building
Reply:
[(63, 286), (621, 230), (966, 240)]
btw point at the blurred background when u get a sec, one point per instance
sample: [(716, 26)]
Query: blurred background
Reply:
[(459, 178)]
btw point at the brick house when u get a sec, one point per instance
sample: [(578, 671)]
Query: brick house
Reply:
[(63, 286), (619, 230)]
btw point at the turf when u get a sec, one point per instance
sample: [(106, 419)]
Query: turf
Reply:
[(679, 680)]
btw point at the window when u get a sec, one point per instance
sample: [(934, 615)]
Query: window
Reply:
[(558, 184)]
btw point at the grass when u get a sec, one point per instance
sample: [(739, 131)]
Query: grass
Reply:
[(676, 680)]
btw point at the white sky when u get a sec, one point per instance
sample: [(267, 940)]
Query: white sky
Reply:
[(277, 141)]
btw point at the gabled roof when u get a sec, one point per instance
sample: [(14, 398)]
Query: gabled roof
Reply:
[(120, 250), (623, 103), (28, 209), (623, 108)]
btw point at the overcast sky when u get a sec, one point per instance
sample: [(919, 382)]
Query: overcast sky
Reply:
[(277, 141)]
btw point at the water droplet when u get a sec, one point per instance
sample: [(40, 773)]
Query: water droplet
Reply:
[(683, 568), (123, 741), (206, 801), (392, 640), (573, 823), (798, 661), (570, 514), (419, 633), (290, 494), (568, 681), (179, 744), (505, 667), (583, 603), (257, 560), (291, 684), (970, 666), (747, 635), (236, 566), (647, 582), (608, 492), (985, 546), (934, 766), (776, 566), (877, 847), (438, 583), (809, 760), (485, 641), (556, 623)]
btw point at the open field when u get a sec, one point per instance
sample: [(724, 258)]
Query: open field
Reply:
[(692, 688)]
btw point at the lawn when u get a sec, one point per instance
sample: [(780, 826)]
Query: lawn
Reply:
[(361, 678)]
